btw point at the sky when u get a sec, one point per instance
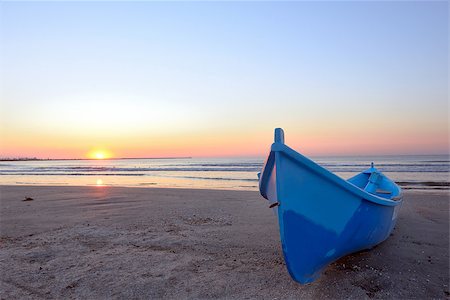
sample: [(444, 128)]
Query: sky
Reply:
[(162, 79)]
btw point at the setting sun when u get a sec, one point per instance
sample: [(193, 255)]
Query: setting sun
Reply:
[(99, 154)]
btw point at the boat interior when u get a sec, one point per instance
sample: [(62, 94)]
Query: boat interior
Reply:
[(374, 182)]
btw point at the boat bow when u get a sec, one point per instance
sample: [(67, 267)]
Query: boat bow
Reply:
[(322, 216)]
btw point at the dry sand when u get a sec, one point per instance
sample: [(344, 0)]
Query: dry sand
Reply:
[(105, 242)]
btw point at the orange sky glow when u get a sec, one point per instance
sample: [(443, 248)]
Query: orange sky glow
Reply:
[(210, 144), (200, 79)]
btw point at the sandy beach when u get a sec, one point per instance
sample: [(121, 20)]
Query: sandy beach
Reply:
[(110, 242)]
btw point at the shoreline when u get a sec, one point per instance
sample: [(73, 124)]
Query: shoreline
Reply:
[(417, 172), (151, 242), (438, 191)]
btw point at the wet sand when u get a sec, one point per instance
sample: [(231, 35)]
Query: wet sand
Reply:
[(107, 242)]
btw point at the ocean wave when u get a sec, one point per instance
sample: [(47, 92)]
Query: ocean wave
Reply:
[(424, 183), (421, 188), (76, 174), (436, 161), (389, 171), (383, 165), (259, 164), (215, 178), (86, 170)]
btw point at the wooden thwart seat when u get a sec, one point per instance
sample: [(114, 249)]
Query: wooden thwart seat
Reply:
[(380, 191)]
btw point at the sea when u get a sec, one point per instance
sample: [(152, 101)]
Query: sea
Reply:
[(424, 172)]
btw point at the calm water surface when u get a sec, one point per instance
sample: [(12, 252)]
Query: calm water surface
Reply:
[(411, 172)]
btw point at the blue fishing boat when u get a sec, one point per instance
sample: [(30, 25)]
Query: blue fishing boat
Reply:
[(323, 217)]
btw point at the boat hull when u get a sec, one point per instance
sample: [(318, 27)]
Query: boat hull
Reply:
[(321, 216)]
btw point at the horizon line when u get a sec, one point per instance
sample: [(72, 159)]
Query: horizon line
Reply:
[(192, 157), (110, 158)]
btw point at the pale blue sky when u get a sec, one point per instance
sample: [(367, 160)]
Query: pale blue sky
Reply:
[(315, 68)]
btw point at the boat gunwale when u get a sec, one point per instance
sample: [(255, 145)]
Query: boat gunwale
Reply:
[(264, 174), (350, 187)]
